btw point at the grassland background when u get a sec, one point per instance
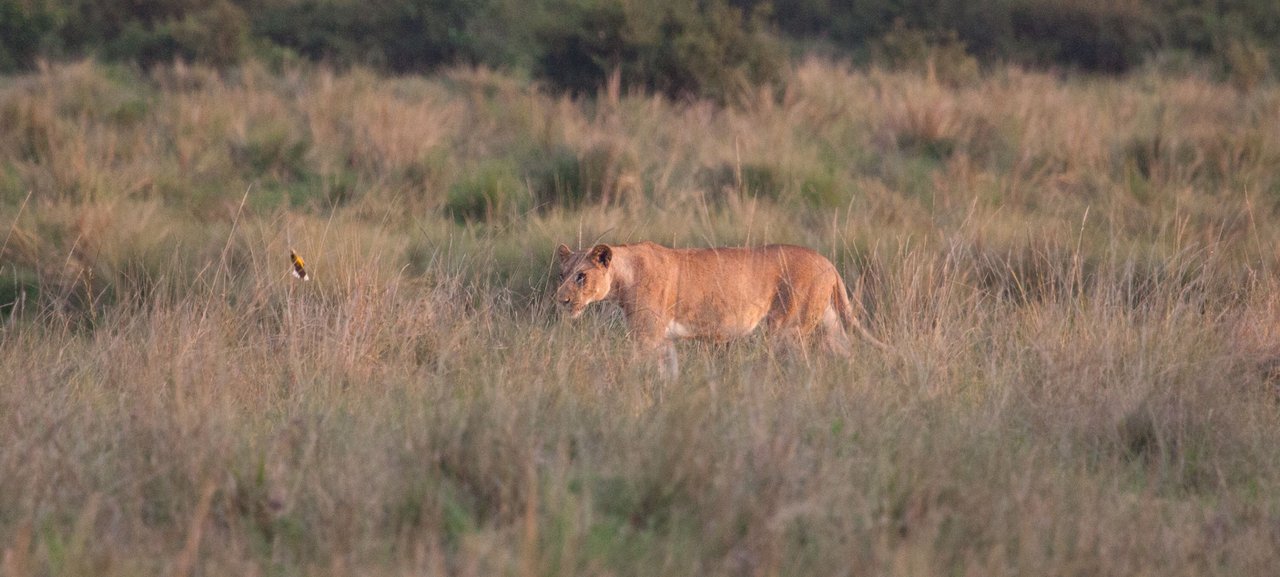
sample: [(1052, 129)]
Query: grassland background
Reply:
[(1078, 276)]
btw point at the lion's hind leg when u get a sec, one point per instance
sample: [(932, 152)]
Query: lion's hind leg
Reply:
[(794, 320), (834, 336), (792, 343)]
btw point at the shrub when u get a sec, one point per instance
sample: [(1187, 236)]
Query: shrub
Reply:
[(709, 49), (1247, 64), (217, 35), (21, 30), (755, 180), (139, 43), (605, 173), (557, 178), (492, 192), (818, 186), (589, 42), (274, 150), (19, 291), (1100, 36), (941, 55), (825, 188), (409, 35)]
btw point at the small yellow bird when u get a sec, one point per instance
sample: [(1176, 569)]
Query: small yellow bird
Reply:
[(298, 265)]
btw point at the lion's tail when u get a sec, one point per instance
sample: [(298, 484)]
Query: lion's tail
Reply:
[(840, 301)]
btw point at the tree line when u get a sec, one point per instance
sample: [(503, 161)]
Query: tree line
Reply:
[(681, 47)]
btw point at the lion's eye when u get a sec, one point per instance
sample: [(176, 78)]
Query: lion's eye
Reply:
[(582, 277)]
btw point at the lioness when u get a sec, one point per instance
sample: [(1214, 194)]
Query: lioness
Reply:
[(711, 293)]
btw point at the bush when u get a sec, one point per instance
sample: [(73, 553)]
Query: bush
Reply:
[(606, 174), (1247, 64), (275, 150), (941, 55), (817, 186), (217, 35), (589, 43), (709, 49), (403, 36), (754, 180), (21, 31), (1101, 36), (492, 192)]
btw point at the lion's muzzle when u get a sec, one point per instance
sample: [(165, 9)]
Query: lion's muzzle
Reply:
[(569, 308), (572, 310)]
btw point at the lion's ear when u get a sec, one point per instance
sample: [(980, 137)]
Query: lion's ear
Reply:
[(563, 252), (602, 254)]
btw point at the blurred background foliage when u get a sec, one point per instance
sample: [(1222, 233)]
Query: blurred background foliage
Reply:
[(706, 48)]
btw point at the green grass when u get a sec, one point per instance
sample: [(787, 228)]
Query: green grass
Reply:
[(1085, 328)]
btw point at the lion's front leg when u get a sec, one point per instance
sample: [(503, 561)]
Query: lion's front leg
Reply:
[(648, 326), (652, 343), (658, 348), (668, 363)]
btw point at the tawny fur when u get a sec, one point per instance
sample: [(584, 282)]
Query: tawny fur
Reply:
[(714, 293)]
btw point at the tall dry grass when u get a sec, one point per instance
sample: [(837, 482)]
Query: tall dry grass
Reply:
[(1077, 276)]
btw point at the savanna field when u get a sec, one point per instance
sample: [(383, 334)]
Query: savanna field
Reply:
[(1078, 275)]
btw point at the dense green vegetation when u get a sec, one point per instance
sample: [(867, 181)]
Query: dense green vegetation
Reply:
[(706, 47)]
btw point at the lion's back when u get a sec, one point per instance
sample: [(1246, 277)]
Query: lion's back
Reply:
[(728, 291)]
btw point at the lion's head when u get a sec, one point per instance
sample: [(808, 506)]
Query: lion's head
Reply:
[(584, 278)]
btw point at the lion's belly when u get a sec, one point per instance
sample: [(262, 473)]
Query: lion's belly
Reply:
[(676, 330), (728, 303), (710, 324)]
